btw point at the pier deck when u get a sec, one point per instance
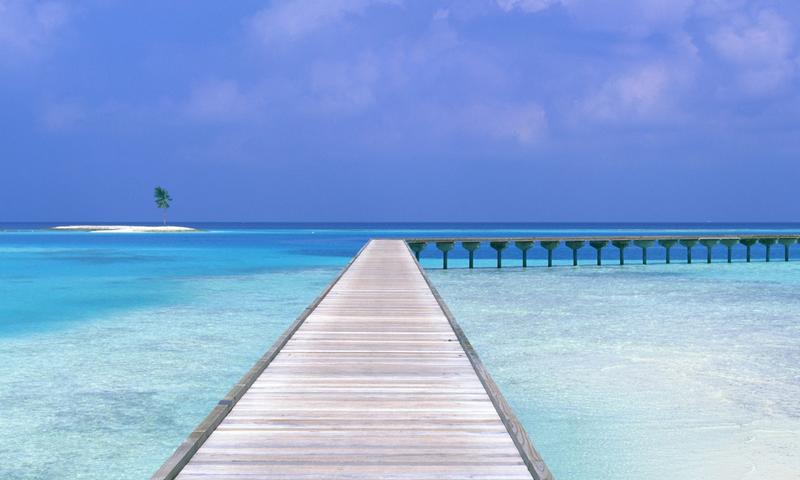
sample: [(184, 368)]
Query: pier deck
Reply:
[(376, 381)]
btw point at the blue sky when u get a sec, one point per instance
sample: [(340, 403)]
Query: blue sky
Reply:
[(400, 110)]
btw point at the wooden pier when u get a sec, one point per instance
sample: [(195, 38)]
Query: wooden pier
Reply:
[(374, 380)]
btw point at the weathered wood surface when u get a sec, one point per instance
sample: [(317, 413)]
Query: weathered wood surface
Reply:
[(375, 383)]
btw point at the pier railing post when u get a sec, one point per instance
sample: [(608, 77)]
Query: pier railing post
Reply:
[(688, 243), (471, 247), (786, 242), (768, 242), (644, 245), (709, 244), (729, 244), (445, 247), (598, 245), (499, 246), (621, 244), (748, 243), (575, 245), (524, 245), (668, 243), (417, 247), (549, 245)]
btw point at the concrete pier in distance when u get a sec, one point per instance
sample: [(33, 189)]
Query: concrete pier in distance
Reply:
[(620, 242)]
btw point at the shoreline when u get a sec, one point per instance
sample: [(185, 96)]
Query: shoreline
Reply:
[(124, 228)]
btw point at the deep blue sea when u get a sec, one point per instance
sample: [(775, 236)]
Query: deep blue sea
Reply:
[(114, 346)]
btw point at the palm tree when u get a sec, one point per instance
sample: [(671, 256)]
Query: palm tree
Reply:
[(162, 200)]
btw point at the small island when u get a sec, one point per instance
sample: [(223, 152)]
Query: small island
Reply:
[(125, 228), (162, 198)]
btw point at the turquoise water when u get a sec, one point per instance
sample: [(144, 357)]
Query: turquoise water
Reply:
[(114, 346), (654, 372), (113, 349)]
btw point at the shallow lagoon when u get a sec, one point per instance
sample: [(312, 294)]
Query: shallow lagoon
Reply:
[(657, 372), (113, 347)]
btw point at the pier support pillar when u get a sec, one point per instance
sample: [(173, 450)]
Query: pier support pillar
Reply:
[(688, 243), (668, 243), (729, 244), (786, 242), (445, 247), (499, 246), (575, 245), (621, 244), (417, 247), (524, 245), (471, 247), (549, 245), (644, 245), (768, 243), (598, 245), (748, 242), (709, 244)]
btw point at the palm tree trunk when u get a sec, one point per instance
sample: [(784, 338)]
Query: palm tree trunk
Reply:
[(165, 216)]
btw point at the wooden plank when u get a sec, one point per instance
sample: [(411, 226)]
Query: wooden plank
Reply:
[(375, 381)]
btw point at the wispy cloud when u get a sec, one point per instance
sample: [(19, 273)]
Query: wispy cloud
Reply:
[(761, 47), (639, 93), (443, 79), (345, 86), (632, 17), (294, 19), (219, 101), (27, 28), (409, 76), (528, 6), (524, 122), (63, 115)]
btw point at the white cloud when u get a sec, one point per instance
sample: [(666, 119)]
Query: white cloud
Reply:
[(345, 86), (218, 100), (762, 48), (718, 8), (417, 79), (646, 92), (525, 123), (528, 6), (62, 115), (27, 28), (632, 17), (355, 83), (294, 19), (441, 14), (767, 38), (647, 86)]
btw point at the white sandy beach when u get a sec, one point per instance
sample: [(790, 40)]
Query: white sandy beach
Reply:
[(125, 228)]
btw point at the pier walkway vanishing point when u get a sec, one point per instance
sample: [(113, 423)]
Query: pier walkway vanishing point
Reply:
[(374, 380)]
